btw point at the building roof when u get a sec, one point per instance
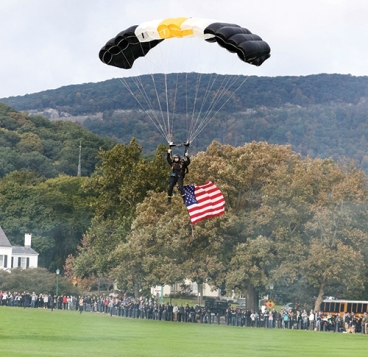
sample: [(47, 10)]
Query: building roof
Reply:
[(4, 241), (23, 250)]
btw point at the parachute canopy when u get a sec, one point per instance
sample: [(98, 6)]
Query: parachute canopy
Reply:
[(136, 41), (178, 100)]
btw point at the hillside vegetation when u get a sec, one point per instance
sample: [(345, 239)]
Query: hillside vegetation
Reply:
[(35, 143), (321, 115), (39, 188)]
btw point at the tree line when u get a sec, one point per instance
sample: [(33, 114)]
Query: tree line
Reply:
[(298, 223)]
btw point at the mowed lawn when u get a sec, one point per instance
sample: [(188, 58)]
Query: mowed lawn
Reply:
[(38, 332)]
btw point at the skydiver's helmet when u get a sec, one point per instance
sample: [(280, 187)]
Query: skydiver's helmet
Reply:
[(176, 156)]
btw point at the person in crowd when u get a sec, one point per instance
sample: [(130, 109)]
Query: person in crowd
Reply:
[(297, 323), (346, 320), (252, 319), (311, 320), (65, 302), (318, 318), (45, 301), (286, 319), (352, 324), (34, 298), (181, 313), (175, 312), (270, 319), (365, 323), (304, 319), (81, 304)]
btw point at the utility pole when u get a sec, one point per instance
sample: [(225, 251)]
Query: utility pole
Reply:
[(80, 160)]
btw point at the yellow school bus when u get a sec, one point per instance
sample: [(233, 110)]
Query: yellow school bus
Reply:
[(334, 307)]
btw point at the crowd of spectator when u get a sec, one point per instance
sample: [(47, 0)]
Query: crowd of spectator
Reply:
[(151, 309)]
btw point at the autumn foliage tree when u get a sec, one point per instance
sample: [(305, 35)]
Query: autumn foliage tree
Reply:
[(289, 221)]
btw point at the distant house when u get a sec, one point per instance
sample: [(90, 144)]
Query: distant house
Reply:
[(14, 257), (195, 289)]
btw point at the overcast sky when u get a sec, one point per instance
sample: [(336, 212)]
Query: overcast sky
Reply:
[(46, 44)]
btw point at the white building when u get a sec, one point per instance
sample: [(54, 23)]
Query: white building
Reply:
[(195, 289), (14, 257)]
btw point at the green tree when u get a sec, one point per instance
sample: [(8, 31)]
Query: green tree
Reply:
[(30, 142), (39, 280), (120, 183), (56, 211)]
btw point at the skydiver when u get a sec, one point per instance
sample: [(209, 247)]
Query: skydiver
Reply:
[(178, 170)]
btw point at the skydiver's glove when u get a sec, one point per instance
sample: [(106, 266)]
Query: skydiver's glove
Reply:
[(187, 144), (169, 151)]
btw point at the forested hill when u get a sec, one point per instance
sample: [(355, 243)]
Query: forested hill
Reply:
[(271, 92), (34, 143), (323, 115)]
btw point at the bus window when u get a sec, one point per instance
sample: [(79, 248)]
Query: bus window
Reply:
[(354, 308), (359, 308), (349, 307), (342, 307), (327, 307), (337, 307)]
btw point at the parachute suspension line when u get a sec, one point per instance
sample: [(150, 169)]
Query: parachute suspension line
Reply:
[(140, 84), (160, 107), (206, 95), (169, 128), (150, 112), (164, 61), (152, 117), (174, 104), (160, 62), (206, 122), (225, 86), (194, 104), (186, 107), (219, 93)]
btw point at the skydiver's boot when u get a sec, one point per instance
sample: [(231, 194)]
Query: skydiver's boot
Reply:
[(168, 203)]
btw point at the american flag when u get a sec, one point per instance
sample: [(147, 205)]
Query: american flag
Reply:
[(204, 201)]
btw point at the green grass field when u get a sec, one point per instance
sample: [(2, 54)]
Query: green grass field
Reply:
[(38, 332)]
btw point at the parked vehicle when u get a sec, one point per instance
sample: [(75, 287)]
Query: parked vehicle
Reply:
[(288, 306)]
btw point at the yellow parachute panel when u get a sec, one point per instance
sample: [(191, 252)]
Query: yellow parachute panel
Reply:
[(171, 27)]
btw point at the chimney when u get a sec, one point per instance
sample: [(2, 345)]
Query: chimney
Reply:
[(27, 240)]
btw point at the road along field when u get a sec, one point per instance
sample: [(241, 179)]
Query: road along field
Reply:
[(39, 332)]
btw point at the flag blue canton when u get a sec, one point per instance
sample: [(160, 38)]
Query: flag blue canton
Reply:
[(190, 198)]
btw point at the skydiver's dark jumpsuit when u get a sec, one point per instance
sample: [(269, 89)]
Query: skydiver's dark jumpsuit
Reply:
[(178, 171)]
